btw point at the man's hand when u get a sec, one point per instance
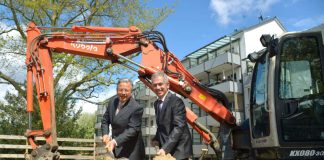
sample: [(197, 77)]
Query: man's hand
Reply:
[(154, 143), (161, 152), (106, 139), (111, 145)]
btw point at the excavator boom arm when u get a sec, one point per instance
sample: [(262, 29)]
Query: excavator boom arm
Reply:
[(113, 44)]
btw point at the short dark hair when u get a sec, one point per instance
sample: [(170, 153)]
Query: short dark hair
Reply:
[(125, 80)]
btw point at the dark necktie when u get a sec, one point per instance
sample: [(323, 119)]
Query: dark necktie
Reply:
[(158, 107)]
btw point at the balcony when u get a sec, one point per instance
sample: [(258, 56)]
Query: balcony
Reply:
[(150, 151), (216, 64), (208, 120), (148, 112), (101, 109), (228, 86), (144, 93), (148, 131)]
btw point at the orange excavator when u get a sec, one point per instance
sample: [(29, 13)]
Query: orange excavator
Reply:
[(117, 44), (113, 44)]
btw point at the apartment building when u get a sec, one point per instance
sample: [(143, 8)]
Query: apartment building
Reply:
[(101, 109), (146, 97), (222, 65)]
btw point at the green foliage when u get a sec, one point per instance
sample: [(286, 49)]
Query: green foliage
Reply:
[(75, 78), (14, 118), (86, 125), (13, 115)]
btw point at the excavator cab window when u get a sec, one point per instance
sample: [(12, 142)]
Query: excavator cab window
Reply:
[(301, 89), (259, 115)]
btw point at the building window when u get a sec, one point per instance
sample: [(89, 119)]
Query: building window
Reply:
[(213, 129), (142, 103), (202, 112), (203, 59), (212, 54), (186, 63), (99, 119), (145, 141), (198, 111), (230, 77), (195, 109), (232, 106), (144, 122), (250, 67), (193, 62), (98, 132), (196, 138)]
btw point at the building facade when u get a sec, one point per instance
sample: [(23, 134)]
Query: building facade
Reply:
[(223, 65)]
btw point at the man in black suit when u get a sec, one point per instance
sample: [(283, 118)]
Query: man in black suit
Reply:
[(173, 135), (124, 115)]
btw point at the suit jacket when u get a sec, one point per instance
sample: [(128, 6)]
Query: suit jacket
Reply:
[(172, 130), (126, 128)]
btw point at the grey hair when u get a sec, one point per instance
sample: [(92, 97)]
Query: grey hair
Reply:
[(161, 74), (125, 80)]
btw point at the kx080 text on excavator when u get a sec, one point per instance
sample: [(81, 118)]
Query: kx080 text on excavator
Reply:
[(286, 98)]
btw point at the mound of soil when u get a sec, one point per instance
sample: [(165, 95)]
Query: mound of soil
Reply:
[(164, 157)]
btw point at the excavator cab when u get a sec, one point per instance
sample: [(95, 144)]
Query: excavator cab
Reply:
[(287, 97)]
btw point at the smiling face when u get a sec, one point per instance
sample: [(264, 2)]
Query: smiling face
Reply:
[(124, 91), (160, 86)]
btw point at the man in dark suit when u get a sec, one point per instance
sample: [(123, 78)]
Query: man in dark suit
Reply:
[(173, 135), (124, 115)]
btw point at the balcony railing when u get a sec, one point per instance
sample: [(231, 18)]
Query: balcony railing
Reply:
[(195, 62), (208, 120), (148, 112), (144, 93), (223, 62), (148, 131), (227, 86)]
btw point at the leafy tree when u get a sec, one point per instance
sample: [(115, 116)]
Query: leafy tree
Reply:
[(13, 117), (75, 78), (86, 124)]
